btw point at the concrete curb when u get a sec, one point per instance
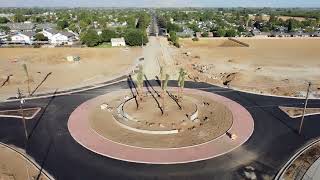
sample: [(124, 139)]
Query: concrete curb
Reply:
[(44, 172), (281, 172), (80, 130), (20, 117)]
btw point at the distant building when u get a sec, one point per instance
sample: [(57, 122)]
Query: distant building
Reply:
[(49, 33), (23, 38), (21, 27), (187, 32), (63, 38), (315, 34), (46, 26), (299, 34), (60, 38), (257, 33), (210, 34), (118, 42), (198, 34)]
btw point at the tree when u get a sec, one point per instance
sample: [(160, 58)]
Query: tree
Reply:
[(135, 37), (174, 39), (161, 75), (62, 24), (164, 89), (205, 34), (139, 83), (107, 34), (19, 18), (221, 32), (181, 79), (231, 33), (40, 37), (5, 28), (25, 69), (3, 20), (290, 25), (90, 38)]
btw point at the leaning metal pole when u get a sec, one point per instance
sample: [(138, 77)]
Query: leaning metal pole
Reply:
[(25, 130), (305, 107)]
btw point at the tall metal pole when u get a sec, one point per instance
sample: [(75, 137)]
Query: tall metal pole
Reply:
[(305, 107), (25, 129)]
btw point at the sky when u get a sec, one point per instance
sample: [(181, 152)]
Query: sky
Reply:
[(160, 3)]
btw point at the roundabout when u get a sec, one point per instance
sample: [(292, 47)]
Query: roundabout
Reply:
[(206, 126)]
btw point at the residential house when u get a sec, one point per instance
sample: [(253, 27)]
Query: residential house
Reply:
[(210, 34), (60, 38), (299, 34), (21, 27), (198, 34), (118, 42), (49, 33), (63, 38), (187, 32), (43, 26), (316, 34), (257, 33), (23, 38), (280, 34)]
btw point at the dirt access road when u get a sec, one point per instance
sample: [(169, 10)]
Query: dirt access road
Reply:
[(157, 53)]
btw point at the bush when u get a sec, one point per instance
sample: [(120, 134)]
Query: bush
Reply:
[(176, 44), (40, 37), (37, 46), (107, 34), (90, 38), (205, 34), (195, 39)]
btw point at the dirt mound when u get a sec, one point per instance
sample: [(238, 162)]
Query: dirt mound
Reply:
[(229, 43)]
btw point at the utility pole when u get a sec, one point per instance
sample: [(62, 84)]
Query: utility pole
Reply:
[(305, 107)]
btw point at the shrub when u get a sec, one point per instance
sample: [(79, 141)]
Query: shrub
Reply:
[(195, 39)]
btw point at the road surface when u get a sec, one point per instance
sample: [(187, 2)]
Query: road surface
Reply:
[(273, 142)]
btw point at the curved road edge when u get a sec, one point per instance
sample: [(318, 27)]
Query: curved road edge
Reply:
[(308, 145), (35, 164), (113, 80)]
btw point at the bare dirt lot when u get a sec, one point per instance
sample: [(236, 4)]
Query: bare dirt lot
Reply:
[(14, 166), (96, 65), (269, 66)]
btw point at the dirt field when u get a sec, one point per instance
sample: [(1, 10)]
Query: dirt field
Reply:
[(14, 166), (96, 65), (270, 66)]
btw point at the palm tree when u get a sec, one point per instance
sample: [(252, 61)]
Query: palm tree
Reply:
[(139, 82), (161, 75), (27, 75), (164, 89), (181, 79)]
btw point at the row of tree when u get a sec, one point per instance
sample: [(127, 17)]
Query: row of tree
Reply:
[(132, 36)]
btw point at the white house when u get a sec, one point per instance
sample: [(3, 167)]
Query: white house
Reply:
[(49, 33), (63, 38), (23, 38), (118, 42)]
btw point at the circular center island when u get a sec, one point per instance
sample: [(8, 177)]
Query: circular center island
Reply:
[(159, 127)]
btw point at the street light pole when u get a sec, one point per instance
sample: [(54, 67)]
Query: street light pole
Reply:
[(305, 107), (22, 101)]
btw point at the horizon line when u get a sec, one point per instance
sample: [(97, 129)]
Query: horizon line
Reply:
[(177, 7)]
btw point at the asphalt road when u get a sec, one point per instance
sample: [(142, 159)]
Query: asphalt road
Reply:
[(273, 142)]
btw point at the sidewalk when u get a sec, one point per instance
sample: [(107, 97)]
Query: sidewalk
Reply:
[(313, 173)]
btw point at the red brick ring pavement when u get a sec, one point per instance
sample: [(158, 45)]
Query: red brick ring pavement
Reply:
[(243, 125)]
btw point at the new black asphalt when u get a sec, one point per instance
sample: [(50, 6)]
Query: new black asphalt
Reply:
[(274, 140)]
